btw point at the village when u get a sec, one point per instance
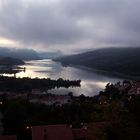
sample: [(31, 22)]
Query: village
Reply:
[(66, 131), (38, 96), (41, 96)]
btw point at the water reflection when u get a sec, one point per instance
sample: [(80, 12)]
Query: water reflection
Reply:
[(11, 69), (91, 83)]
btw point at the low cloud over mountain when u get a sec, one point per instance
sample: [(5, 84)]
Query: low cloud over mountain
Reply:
[(69, 24)]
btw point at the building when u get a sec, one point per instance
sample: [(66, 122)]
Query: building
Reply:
[(90, 131), (79, 133), (52, 132)]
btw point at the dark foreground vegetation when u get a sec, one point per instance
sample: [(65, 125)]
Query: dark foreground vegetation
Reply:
[(13, 84), (117, 61), (114, 105)]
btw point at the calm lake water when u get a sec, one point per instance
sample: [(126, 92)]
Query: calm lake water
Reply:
[(91, 83)]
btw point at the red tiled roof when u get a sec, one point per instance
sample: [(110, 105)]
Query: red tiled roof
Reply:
[(64, 132), (52, 132), (8, 137), (79, 133)]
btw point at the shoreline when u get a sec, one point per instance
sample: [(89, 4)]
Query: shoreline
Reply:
[(103, 72)]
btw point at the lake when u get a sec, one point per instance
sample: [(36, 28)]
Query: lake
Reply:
[(91, 82)]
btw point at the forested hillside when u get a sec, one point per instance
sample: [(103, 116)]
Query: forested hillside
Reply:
[(115, 60)]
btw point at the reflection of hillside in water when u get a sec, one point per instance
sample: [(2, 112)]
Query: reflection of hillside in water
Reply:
[(8, 69)]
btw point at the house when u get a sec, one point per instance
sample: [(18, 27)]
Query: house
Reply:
[(52, 132), (79, 133), (90, 131)]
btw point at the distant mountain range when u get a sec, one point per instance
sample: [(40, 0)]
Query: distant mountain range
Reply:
[(124, 61), (24, 54), (27, 54), (50, 55), (10, 61)]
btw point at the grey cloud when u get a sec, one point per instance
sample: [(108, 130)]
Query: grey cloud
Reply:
[(70, 22), (118, 20), (37, 23)]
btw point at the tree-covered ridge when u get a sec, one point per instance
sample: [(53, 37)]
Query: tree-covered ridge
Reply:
[(24, 54), (114, 60), (9, 61), (13, 84)]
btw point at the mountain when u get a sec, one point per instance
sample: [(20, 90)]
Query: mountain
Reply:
[(50, 55), (113, 60), (11, 61), (27, 54), (24, 54)]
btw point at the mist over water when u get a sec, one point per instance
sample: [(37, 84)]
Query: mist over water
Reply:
[(91, 82)]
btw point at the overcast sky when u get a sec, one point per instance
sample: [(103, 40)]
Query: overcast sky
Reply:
[(69, 25)]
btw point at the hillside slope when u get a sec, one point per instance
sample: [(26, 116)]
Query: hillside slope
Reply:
[(24, 54), (11, 61), (115, 60)]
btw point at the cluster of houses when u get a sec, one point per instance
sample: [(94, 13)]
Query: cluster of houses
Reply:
[(133, 87), (48, 99), (36, 96), (64, 132), (57, 100)]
